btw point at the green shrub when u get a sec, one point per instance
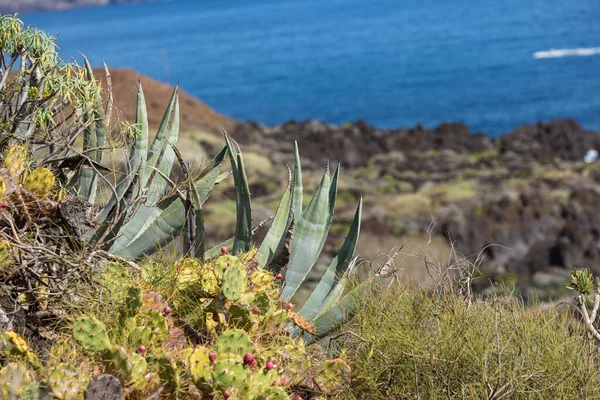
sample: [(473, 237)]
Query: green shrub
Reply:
[(417, 344)]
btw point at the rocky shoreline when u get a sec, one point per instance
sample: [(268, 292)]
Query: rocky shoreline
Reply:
[(525, 200)]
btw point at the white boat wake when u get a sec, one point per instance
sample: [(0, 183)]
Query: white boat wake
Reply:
[(558, 53)]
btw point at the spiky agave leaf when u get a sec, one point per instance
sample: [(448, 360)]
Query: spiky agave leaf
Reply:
[(243, 206), (275, 237), (309, 229), (338, 267), (341, 312)]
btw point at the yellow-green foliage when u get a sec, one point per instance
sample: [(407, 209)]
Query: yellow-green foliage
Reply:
[(241, 345), (419, 345), (40, 181), (16, 160)]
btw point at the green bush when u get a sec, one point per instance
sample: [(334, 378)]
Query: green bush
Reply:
[(412, 343)]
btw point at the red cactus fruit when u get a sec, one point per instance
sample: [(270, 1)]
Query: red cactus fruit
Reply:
[(285, 381), (4, 204), (248, 358), (168, 310), (142, 349), (278, 276), (224, 250), (227, 394), (255, 310), (269, 366), (253, 364), (297, 398), (212, 357)]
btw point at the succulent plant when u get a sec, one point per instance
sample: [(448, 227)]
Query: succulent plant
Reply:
[(64, 383), (91, 334), (16, 160), (15, 347), (234, 341), (234, 281), (40, 181), (13, 379)]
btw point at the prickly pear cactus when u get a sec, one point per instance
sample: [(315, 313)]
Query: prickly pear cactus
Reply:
[(64, 383), (16, 160), (104, 387), (155, 322), (40, 181), (240, 317), (91, 334), (14, 346), (229, 373), (13, 378), (234, 281), (35, 391), (129, 366), (234, 341), (273, 393), (200, 367)]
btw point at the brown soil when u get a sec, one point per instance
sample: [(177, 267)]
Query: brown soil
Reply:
[(195, 115)]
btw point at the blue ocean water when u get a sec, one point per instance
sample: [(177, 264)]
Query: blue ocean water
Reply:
[(393, 63)]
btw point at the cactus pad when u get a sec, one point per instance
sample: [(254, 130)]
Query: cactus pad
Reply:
[(200, 367), (273, 393), (104, 387), (261, 280), (91, 334), (223, 263), (234, 341), (16, 160), (13, 378), (156, 322), (240, 317), (129, 366), (263, 302), (40, 182), (229, 374), (64, 383), (234, 281)]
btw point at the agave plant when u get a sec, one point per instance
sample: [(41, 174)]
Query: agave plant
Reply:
[(146, 211)]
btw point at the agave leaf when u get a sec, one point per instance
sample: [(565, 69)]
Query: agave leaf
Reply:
[(308, 241), (243, 206), (161, 154), (343, 311), (336, 270), (216, 251), (297, 190), (275, 237), (162, 223), (137, 159), (85, 177)]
